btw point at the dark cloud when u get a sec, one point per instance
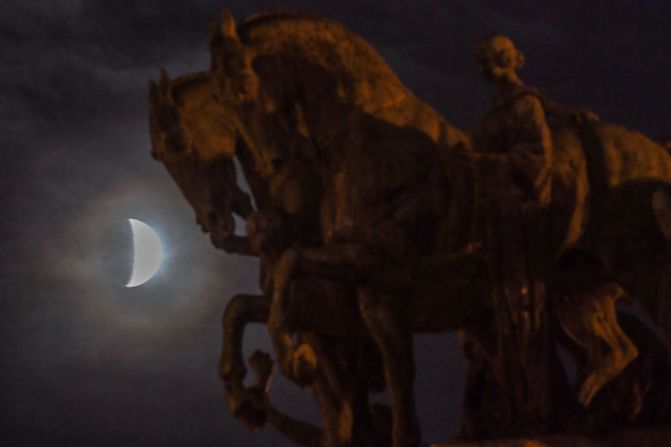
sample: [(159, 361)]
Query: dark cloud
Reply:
[(72, 64), (86, 361)]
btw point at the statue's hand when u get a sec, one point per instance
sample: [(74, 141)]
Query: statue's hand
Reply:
[(584, 116)]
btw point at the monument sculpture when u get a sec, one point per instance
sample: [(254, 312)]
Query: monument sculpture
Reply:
[(373, 219)]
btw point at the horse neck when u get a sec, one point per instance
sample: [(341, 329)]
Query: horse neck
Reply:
[(259, 186)]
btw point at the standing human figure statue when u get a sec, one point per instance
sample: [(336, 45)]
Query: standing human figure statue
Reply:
[(515, 132), (514, 162)]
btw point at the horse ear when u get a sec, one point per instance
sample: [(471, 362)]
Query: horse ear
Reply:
[(227, 26), (164, 81), (164, 87)]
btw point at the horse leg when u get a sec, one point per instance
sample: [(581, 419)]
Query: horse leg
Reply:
[(663, 319), (661, 204), (283, 275), (251, 405), (383, 317), (603, 369), (300, 432), (292, 293), (592, 324), (296, 363), (241, 310)]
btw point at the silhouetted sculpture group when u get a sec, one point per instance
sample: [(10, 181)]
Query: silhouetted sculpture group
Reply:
[(373, 219)]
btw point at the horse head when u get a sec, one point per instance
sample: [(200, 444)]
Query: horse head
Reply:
[(196, 140), (262, 116), (231, 63)]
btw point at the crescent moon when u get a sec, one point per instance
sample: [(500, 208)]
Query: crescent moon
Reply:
[(147, 253)]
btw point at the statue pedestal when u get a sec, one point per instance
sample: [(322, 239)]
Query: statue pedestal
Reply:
[(651, 437)]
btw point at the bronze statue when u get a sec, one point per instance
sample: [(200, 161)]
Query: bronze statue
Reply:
[(369, 217), (516, 136)]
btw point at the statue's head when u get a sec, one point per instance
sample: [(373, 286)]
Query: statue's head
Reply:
[(196, 141), (231, 63), (498, 57)]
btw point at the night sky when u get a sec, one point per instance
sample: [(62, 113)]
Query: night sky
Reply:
[(86, 361)]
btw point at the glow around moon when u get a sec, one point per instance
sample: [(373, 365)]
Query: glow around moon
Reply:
[(147, 253)]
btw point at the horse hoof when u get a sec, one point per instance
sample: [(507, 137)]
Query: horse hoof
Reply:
[(251, 410)]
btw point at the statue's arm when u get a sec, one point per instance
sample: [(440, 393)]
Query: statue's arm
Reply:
[(530, 157), (569, 114)]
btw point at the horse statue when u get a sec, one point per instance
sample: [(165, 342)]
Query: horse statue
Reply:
[(364, 200)]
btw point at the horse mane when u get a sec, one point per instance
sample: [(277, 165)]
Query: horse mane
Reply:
[(366, 78)]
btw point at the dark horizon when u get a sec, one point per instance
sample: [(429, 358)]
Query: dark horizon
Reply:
[(86, 360)]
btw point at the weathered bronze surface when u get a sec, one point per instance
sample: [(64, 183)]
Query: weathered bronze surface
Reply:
[(374, 219)]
